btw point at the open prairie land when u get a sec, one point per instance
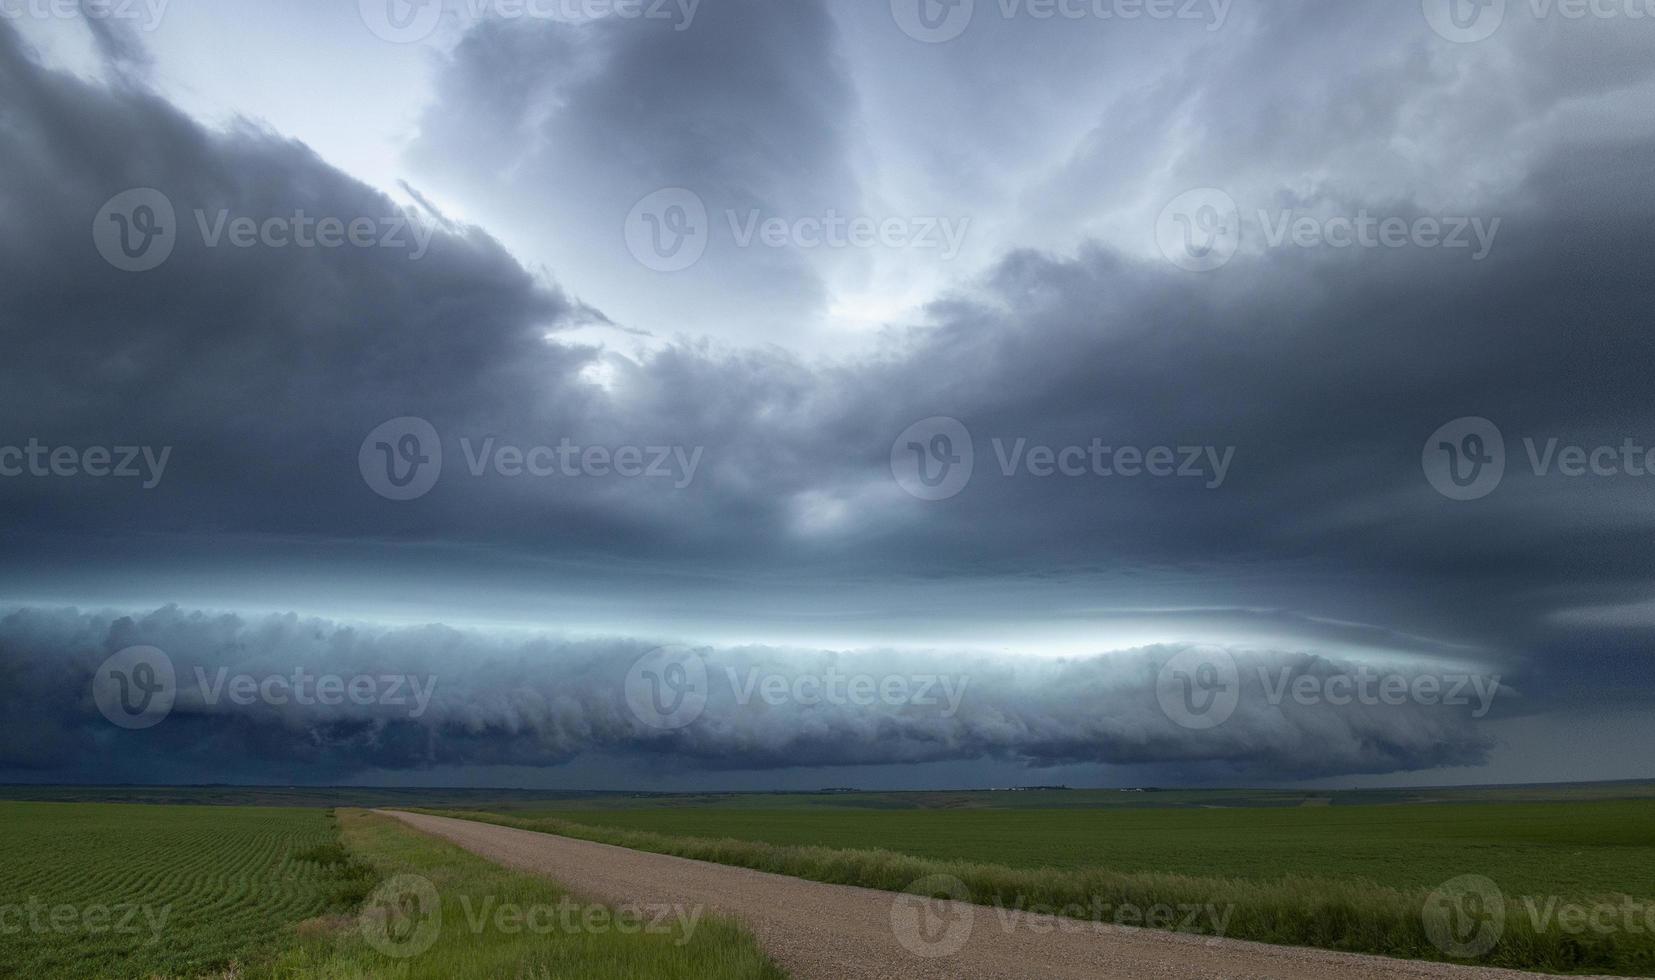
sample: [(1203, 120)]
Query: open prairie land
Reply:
[(249, 893)]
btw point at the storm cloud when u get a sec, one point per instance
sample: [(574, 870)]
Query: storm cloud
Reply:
[(284, 697), (1317, 374)]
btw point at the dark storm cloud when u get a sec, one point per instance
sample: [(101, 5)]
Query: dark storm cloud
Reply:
[(748, 108), (1326, 371), (484, 700)]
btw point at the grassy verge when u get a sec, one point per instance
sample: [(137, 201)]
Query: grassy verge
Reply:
[(1350, 914), (432, 910)]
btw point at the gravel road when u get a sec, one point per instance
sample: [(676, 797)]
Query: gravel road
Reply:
[(836, 932)]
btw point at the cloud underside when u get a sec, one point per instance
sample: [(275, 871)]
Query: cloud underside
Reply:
[(472, 699)]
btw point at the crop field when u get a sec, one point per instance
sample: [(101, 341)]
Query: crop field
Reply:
[(89, 890), (1352, 877), (250, 893), (1540, 848)]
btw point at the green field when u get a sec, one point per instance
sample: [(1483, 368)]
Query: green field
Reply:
[(239, 891), (1348, 876), (1533, 848), (249, 893), (111, 890)]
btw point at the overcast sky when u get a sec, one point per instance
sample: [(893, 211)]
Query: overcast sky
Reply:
[(1136, 379)]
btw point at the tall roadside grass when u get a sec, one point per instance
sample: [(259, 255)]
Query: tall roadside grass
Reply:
[(1351, 915), (453, 916)]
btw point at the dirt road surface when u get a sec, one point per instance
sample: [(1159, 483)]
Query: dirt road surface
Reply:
[(836, 932)]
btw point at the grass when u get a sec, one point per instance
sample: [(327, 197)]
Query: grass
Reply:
[(478, 932), (1568, 849), (245, 893), (139, 891), (1345, 878)]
